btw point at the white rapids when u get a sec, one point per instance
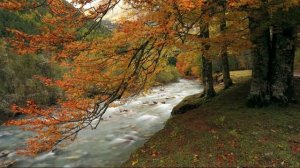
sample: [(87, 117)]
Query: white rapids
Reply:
[(123, 130)]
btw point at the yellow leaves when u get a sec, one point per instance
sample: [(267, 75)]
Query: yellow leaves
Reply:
[(134, 162), (195, 158)]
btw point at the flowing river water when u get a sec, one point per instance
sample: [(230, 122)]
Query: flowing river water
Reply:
[(123, 130)]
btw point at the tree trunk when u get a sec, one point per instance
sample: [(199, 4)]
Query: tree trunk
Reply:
[(207, 74), (224, 54), (273, 57), (260, 38), (282, 80), (208, 81)]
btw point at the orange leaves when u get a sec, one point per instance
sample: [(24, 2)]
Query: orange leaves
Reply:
[(39, 144), (188, 64), (189, 5), (186, 4), (48, 41), (240, 3), (60, 26), (11, 5), (32, 107), (49, 125), (46, 81), (102, 70), (115, 67)]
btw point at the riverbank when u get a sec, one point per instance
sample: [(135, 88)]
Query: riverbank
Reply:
[(224, 132), (122, 131)]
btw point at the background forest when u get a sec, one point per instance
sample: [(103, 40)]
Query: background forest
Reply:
[(18, 82)]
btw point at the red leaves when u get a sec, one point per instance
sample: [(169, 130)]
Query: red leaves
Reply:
[(226, 159), (296, 148)]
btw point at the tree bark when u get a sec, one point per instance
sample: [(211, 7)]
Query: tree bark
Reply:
[(282, 80), (207, 74), (260, 38), (224, 54), (273, 56), (208, 81)]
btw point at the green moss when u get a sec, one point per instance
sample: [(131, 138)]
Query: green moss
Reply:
[(167, 75), (224, 132)]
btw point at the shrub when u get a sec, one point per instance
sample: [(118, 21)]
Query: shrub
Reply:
[(167, 75), (17, 83)]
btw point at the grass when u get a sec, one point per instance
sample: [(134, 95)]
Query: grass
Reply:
[(224, 132)]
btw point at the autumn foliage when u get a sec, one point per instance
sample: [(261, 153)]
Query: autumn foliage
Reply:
[(120, 65)]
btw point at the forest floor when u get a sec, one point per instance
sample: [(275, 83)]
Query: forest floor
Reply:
[(224, 132)]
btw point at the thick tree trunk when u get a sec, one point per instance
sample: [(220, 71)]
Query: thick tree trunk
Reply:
[(226, 71), (282, 80), (208, 81), (273, 57), (260, 38), (207, 74), (224, 54)]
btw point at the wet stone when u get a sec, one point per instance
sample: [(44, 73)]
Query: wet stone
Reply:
[(4, 153), (6, 163)]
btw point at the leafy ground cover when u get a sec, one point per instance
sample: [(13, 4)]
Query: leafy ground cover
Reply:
[(225, 132)]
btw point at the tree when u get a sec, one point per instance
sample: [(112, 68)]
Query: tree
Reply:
[(260, 36), (224, 51), (61, 35), (273, 53), (89, 65), (207, 74), (283, 46)]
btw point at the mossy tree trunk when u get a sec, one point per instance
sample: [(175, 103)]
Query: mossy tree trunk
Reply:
[(260, 38), (282, 82), (273, 56), (224, 54)]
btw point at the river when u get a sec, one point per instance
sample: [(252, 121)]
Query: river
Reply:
[(123, 130)]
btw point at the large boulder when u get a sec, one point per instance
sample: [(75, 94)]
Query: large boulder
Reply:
[(188, 103), (5, 162)]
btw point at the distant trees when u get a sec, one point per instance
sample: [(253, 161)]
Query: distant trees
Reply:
[(17, 74), (18, 83), (12, 20)]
